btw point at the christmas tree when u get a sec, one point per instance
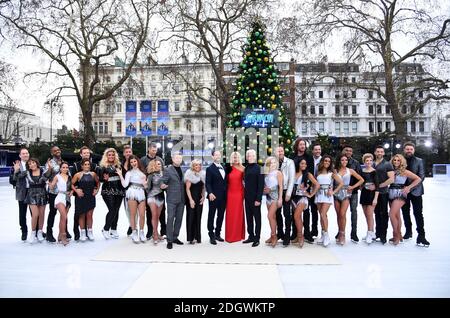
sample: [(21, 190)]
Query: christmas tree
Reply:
[(258, 90)]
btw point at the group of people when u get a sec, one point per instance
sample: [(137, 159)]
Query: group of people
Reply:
[(297, 190)]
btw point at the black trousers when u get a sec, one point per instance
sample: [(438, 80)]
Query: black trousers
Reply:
[(23, 216), (220, 207), (418, 214), (162, 220), (113, 202), (253, 212), (382, 216), (194, 221), (287, 213)]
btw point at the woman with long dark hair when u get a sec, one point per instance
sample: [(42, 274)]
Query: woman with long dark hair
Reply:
[(136, 181), (324, 197)]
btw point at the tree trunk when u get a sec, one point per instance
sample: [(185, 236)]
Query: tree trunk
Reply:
[(89, 136), (391, 99)]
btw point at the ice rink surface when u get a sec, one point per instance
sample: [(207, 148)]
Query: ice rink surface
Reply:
[(51, 270)]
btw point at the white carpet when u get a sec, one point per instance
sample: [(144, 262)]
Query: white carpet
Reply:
[(124, 250), (207, 281)]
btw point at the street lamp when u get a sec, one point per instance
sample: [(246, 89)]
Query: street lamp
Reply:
[(428, 143), (387, 146), (170, 145), (158, 145), (211, 145)]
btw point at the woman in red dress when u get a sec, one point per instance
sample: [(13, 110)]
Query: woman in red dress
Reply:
[(234, 219)]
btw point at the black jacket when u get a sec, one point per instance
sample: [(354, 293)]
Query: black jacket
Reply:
[(215, 184), (254, 183), (416, 166)]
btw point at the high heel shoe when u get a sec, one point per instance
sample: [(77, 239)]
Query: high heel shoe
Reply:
[(341, 238), (274, 240), (62, 238), (301, 240)]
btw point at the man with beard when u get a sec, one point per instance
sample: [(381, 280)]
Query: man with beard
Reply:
[(416, 166)]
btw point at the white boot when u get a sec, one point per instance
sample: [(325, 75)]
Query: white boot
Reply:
[(90, 235), (114, 234), (40, 236), (142, 236), (321, 238), (83, 237), (369, 237), (326, 239), (135, 236), (32, 239)]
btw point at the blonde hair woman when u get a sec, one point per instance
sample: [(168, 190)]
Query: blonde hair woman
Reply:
[(112, 191), (398, 193), (234, 218), (273, 183), (195, 192)]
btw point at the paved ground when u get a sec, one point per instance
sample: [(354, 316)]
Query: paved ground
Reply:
[(49, 270)]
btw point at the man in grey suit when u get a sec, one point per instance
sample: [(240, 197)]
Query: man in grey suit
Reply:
[(174, 185), (18, 179), (415, 165)]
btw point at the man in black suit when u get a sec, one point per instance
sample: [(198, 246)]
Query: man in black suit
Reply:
[(253, 192), (85, 152), (18, 180), (415, 165), (216, 186)]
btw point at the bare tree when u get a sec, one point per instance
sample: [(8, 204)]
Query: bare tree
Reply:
[(80, 38), (376, 33), (211, 32), (441, 133), (11, 119)]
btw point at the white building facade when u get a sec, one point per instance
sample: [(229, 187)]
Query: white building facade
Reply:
[(328, 102)]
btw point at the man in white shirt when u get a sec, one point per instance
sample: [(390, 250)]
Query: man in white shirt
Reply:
[(317, 156)]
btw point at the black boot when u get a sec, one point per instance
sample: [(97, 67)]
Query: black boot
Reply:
[(354, 237), (408, 234), (49, 236), (422, 241)]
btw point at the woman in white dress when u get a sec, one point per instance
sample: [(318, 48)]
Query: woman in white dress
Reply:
[(135, 180), (273, 184), (324, 197), (341, 198), (62, 181)]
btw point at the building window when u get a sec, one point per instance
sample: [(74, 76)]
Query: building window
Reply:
[(119, 127), (188, 105), (371, 109), (346, 127), (404, 109), (321, 126), (337, 110), (176, 88), (188, 125), (413, 126), (153, 90), (370, 94), (421, 109), (421, 126), (345, 94), (354, 109), (304, 128), (388, 126), (130, 91), (96, 109), (303, 95), (312, 127), (337, 127), (177, 106), (312, 110), (379, 126), (312, 94), (119, 92), (345, 110), (379, 109), (100, 128), (213, 124), (388, 109), (379, 94), (118, 108), (371, 127), (321, 110), (354, 126), (96, 127), (353, 94), (353, 79), (320, 94), (176, 123), (421, 94), (304, 110), (336, 94), (108, 109), (106, 127), (345, 79)]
